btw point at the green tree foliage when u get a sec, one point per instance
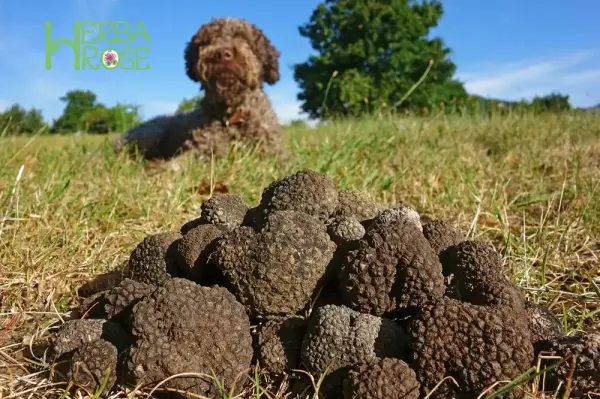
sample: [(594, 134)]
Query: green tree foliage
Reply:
[(16, 120), (554, 102), (83, 113), (188, 104), (78, 103), (370, 53)]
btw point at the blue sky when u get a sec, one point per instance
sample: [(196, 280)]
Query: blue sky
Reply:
[(508, 49)]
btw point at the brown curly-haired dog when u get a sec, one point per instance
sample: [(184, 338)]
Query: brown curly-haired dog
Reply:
[(231, 59)]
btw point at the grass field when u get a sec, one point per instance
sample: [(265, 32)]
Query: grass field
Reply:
[(70, 209)]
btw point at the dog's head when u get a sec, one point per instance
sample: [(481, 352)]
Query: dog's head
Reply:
[(230, 55)]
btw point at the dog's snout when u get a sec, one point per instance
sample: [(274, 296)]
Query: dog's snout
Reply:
[(226, 55)]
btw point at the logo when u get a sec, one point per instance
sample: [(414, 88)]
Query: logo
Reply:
[(105, 44)]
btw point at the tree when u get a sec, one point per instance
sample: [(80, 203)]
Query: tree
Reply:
[(370, 53), (79, 102), (554, 102), (17, 120)]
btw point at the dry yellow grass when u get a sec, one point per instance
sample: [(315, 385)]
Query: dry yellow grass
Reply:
[(70, 209)]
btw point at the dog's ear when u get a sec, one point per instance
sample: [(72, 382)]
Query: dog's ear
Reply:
[(191, 58), (268, 54)]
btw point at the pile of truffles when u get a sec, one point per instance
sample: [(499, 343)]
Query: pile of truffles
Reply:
[(372, 302)]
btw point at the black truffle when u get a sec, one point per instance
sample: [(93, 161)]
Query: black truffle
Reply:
[(309, 192), (153, 260), (395, 215), (193, 251), (226, 209), (356, 205), (543, 323), (584, 351), (381, 378), (476, 345), (338, 337), (345, 229), (441, 236), (73, 334), (276, 271), (185, 327), (121, 299), (477, 276), (393, 269), (279, 343), (94, 365)]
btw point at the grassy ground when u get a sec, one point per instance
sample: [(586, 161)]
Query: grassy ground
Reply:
[(70, 209)]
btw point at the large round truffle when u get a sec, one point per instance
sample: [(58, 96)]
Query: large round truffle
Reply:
[(279, 343), (153, 260), (355, 204), (381, 378), (581, 350), (393, 269), (193, 251), (476, 345), (185, 327), (276, 271), (228, 210), (309, 192)]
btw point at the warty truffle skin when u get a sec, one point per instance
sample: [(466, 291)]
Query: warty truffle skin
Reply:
[(356, 204), (91, 363), (585, 350), (305, 191), (225, 209), (345, 229), (392, 270), (475, 345), (544, 325), (392, 216), (478, 278), (153, 259), (73, 334), (185, 327), (381, 378), (193, 251), (441, 235), (279, 343), (275, 272), (338, 337)]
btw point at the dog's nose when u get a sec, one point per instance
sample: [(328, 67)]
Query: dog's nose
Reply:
[(226, 55)]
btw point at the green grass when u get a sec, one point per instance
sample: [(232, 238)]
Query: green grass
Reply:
[(71, 209)]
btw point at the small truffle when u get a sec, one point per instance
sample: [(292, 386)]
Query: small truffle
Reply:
[(395, 215), (381, 378), (309, 192), (279, 343), (584, 350), (93, 364), (121, 299), (185, 327), (193, 251), (355, 204), (276, 271), (393, 270), (478, 346), (73, 334), (345, 229), (153, 260), (190, 224), (338, 337), (226, 209), (544, 325)]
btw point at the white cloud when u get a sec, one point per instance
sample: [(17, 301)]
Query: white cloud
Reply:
[(4, 104), (285, 103), (525, 79)]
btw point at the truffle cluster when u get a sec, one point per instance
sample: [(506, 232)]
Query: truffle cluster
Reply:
[(373, 302)]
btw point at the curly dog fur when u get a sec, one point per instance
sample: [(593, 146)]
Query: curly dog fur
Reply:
[(231, 59)]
